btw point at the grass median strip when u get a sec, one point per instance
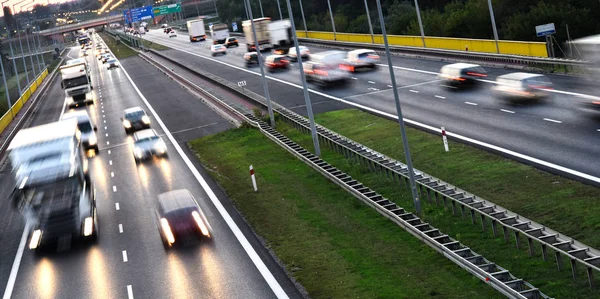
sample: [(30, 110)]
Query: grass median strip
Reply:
[(335, 246), (517, 187), (117, 47)]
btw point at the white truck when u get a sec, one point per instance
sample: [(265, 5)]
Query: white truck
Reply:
[(280, 33), (261, 26), (76, 83), (219, 33), (50, 184), (196, 30)]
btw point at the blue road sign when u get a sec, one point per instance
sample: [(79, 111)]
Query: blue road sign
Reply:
[(234, 26), (142, 13), (546, 29)]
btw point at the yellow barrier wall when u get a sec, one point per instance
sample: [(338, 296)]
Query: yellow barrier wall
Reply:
[(8, 116), (536, 49)]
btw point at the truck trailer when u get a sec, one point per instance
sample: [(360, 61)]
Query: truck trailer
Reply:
[(196, 30), (76, 83), (261, 27), (280, 33), (219, 33)]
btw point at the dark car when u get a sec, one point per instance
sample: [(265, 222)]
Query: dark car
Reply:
[(461, 74), (251, 58), (135, 119), (180, 218), (275, 62), (147, 144), (230, 42)]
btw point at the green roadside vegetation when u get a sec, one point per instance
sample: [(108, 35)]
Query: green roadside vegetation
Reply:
[(561, 204), (117, 47), (12, 85), (155, 46), (330, 242)]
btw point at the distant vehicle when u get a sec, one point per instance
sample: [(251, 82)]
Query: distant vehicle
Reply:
[(50, 185), (147, 144), (111, 62), (218, 50), (84, 53), (135, 118), (304, 53), (251, 58), (89, 140), (261, 27), (461, 74), (164, 26), (274, 62), (522, 86), (280, 34), (167, 29), (76, 83), (360, 59), (83, 40), (179, 216), (324, 69), (142, 30), (230, 42), (105, 57), (172, 33), (196, 30), (219, 33)]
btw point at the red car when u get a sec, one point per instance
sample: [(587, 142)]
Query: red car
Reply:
[(274, 62)]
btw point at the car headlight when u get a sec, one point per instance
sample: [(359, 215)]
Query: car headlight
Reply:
[(161, 147), (146, 119), (88, 226), (127, 124), (36, 237), (164, 224), (93, 139), (138, 153)]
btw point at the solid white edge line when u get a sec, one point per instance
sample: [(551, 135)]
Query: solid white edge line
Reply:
[(553, 120), (260, 265), (129, 292), (421, 125), (124, 256), (12, 279)]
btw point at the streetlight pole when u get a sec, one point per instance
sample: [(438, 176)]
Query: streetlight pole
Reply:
[(332, 22), (30, 53), (303, 19), (369, 20), (311, 118), (21, 43), (6, 87), (262, 14), (411, 172), (494, 25), (279, 7), (15, 66), (420, 23), (261, 66)]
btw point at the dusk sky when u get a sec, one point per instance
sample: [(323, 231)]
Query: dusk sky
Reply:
[(28, 4)]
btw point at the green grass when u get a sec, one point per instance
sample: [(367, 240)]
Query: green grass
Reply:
[(155, 46), (334, 245), (520, 188), (117, 47), (12, 86)]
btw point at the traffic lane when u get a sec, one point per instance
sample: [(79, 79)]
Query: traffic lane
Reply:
[(239, 276), (561, 144)]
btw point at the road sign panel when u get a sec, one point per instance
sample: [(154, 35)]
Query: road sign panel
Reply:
[(138, 14), (234, 26), (546, 29), (167, 9)]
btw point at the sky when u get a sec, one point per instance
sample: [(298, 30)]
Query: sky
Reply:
[(27, 4)]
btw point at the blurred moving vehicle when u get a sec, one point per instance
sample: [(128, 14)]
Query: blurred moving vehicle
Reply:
[(167, 29), (324, 69), (218, 50), (304, 53), (105, 57), (112, 62), (147, 144), (230, 42), (179, 217), (261, 26), (51, 186), (196, 30), (461, 74), (172, 33), (251, 58), (219, 33), (164, 26), (280, 35), (135, 118), (522, 86), (78, 61), (589, 50), (275, 62), (76, 83), (88, 137), (360, 59)]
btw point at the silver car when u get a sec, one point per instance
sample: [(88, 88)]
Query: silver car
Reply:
[(148, 144), (112, 62), (89, 140)]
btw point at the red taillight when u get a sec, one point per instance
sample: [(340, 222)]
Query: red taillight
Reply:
[(373, 56), (321, 72), (476, 74), (541, 87), (596, 103)]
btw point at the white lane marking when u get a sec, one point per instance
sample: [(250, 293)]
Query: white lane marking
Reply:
[(374, 89), (120, 228), (412, 90), (114, 188), (409, 69), (598, 130), (109, 152), (108, 143), (416, 123), (117, 206), (353, 78), (15, 267), (507, 111), (106, 134), (124, 256), (440, 97), (105, 128), (371, 82), (110, 162), (390, 86), (260, 265), (102, 111), (470, 103), (112, 174), (103, 115), (553, 120), (129, 292), (105, 121)]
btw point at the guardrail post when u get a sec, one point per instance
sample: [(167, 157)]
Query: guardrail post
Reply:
[(453, 208), (436, 196), (518, 239), (590, 273), (574, 268), (483, 228), (494, 228), (531, 249), (462, 211), (505, 232), (558, 260), (544, 252), (472, 216)]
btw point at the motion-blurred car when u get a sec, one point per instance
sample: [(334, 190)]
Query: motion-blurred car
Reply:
[(180, 218), (522, 86), (135, 118), (360, 59), (230, 42), (218, 50), (461, 74), (89, 140), (147, 144), (172, 33), (167, 30), (251, 58), (106, 57), (325, 69), (588, 105), (275, 62), (304, 53), (164, 26), (84, 53), (112, 62)]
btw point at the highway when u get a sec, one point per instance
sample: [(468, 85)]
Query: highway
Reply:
[(129, 260), (553, 131)]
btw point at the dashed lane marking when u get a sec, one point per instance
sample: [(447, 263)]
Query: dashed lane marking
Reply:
[(440, 97), (112, 174), (129, 292), (507, 111), (120, 228), (414, 91), (117, 206), (553, 120), (124, 256), (114, 188), (470, 103)]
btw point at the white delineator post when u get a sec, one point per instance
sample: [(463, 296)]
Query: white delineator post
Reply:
[(253, 178), (445, 139)]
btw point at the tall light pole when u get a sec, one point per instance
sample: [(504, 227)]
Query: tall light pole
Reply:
[(40, 44), (262, 14), (411, 172), (261, 66), (29, 49), (21, 45), (369, 20), (494, 25), (332, 22), (15, 66), (303, 19), (6, 86), (279, 7), (311, 118), (420, 23)]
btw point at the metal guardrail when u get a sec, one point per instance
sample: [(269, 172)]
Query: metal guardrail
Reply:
[(453, 54), (498, 277)]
